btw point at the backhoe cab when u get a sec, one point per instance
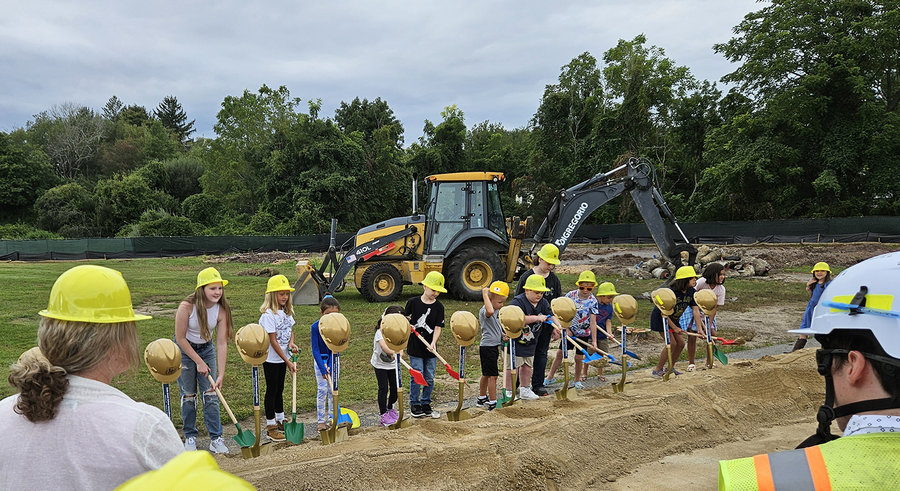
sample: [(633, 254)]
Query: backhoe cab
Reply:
[(463, 234)]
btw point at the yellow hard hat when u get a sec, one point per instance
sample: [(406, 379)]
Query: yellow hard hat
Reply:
[(512, 320), (536, 283), (335, 331), (707, 301), (278, 283), (91, 293), (500, 288), (686, 272), (821, 266), (664, 299), (209, 275), (163, 359), (252, 343), (586, 277), (564, 309), (625, 308), (464, 327), (435, 281), (606, 288), (549, 253), (187, 470), (395, 330)]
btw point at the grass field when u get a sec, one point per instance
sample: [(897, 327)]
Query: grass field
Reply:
[(160, 284)]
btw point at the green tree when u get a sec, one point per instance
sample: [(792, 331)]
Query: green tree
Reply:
[(25, 173), (172, 116), (158, 143), (122, 199), (202, 208), (112, 109), (135, 115)]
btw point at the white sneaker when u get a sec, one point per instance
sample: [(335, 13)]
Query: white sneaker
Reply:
[(190, 444), (217, 445), (525, 393)]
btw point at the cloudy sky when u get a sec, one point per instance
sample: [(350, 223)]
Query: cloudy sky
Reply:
[(491, 58)]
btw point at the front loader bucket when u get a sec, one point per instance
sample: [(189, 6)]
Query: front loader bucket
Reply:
[(306, 290)]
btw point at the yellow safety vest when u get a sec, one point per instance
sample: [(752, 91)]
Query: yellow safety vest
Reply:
[(868, 461)]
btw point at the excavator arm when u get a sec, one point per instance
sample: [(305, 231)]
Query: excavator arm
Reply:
[(571, 207)]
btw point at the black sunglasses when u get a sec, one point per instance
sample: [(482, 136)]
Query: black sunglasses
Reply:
[(585, 288)]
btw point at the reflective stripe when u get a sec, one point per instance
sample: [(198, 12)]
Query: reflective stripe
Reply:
[(817, 468), (763, 473), (792, 470)]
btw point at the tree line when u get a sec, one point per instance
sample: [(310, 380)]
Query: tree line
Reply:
[(810, 127)]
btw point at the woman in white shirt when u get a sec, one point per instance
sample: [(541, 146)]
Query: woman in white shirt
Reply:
[(68, 428)]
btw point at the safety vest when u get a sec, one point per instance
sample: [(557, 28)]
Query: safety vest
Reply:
[(868, 461)]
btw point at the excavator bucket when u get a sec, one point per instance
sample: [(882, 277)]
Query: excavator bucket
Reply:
[(306, 289)]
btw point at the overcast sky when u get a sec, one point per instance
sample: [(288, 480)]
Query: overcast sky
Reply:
[(491, 58)]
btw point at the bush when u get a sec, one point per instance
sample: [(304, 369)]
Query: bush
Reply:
[(122, 199), (158, 223), (67, 209), (263, 223), (21, 231), (202, 208)]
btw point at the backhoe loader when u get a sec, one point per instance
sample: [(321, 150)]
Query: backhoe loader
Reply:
[(464, 235)]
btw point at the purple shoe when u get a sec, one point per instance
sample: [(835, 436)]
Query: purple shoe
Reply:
[(385, 419), (394, 414)]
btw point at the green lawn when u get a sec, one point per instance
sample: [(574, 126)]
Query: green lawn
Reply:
[(163, 283)]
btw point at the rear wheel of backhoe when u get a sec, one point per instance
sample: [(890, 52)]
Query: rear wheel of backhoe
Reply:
[(472, 269), (381, 282)]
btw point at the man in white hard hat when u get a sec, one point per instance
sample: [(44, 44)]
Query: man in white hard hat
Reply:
[(858, 324)]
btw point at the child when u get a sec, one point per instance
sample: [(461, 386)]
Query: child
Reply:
[(322, 365), (547, 259), (537, 311), (815, 286), (603, 328), (278, 320), (713, 279), (583, 327), (489, 350), (196, 322), (384, 361), (683, 288), (426, 315)]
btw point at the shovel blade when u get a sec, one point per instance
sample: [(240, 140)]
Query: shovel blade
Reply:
[(453, 373), (244, 438), (293, 431), (417, 377), (720, 356), (458, 416), (632, 354)]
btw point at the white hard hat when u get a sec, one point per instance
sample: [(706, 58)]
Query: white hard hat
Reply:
[(875, 280)]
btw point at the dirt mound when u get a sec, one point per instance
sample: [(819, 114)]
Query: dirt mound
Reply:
[(274, 257), (590, 442)]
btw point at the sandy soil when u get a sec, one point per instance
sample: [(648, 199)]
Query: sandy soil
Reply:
[(600, 440)]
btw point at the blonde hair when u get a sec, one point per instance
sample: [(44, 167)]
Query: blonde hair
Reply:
[(69, 348), (271, 303), (198, 300)]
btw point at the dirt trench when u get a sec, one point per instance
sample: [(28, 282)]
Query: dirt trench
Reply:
[(593, 442)]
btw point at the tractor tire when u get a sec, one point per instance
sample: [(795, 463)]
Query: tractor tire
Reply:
[(471, 269), (381, 282)]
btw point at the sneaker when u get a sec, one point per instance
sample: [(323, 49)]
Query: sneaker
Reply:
[(427, 411), (691, 367), (482, 402), (417, 411), (280, 426), (656, 374), (540, 391), (394, 414), (274, 433), (548, 381), (526, 394), (322, 426), (579, 385), (385, 419), (190, 444), (217, 445), (491, 406)]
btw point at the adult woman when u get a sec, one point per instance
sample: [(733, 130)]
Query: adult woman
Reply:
[(67, 426)]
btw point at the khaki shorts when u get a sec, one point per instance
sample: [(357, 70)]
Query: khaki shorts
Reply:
[(603, 344), (524, 360)]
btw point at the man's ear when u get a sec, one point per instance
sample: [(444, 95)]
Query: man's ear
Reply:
[(856, 367)]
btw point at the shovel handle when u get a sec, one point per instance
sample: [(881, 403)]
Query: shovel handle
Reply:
[(221, 398), (428, 346)]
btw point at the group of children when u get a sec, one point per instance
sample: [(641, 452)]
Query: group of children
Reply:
[(203, 326)]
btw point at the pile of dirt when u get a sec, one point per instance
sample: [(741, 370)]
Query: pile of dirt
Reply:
[(274, 257), (593, 441)]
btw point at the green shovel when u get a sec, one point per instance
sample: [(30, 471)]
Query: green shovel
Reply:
[(293, 431), (244, 438)]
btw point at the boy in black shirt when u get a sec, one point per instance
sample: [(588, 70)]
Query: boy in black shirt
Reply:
[(537, 311), (426, 315)]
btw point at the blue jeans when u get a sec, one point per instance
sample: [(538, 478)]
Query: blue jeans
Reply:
[(188, 382), (426, 366)]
